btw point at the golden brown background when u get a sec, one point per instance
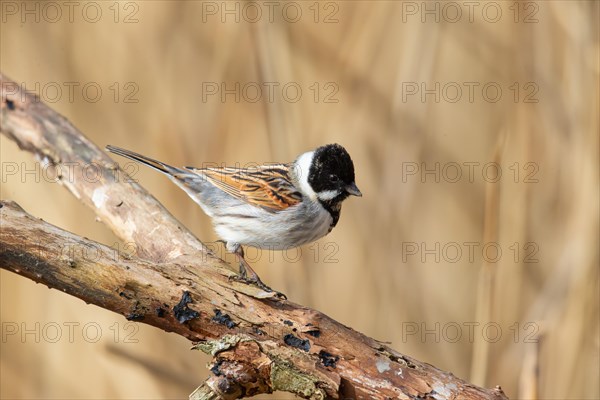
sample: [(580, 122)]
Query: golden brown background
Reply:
[(356, 63)]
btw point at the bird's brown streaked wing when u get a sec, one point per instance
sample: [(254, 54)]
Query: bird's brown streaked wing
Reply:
[(268, 187)]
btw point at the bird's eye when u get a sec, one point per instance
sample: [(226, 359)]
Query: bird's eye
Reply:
[(334, 178)]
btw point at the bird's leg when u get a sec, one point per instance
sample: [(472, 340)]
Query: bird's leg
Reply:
[(248, 275), (245, 267)]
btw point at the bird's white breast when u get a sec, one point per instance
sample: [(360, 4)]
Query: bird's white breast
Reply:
[(295, 226)]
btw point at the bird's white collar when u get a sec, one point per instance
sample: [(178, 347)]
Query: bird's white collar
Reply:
[(302, 168)]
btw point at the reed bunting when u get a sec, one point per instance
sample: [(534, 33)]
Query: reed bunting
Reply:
[(273, 206)]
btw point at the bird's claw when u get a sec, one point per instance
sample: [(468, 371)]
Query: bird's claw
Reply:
[(255, 281)]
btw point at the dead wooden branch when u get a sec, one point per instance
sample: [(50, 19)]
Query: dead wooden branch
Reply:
[(259, 343)]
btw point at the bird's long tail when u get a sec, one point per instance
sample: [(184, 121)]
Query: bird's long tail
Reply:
[(192, 183), (157, 165)]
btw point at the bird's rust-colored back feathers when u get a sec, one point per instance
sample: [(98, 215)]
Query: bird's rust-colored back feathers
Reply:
[(269, 187)]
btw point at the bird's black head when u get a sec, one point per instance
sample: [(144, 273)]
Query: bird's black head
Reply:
[(331, 174)]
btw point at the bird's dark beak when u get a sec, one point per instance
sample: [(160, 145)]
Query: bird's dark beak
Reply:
[(353, 190)]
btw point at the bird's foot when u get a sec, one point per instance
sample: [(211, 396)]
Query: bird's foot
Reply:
[(255, 281), (248, 276)]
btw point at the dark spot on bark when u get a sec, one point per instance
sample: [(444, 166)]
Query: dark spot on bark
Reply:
[(408, 363), (1, 205), (294, 330), (120, 204), (257, 331), (314, 332), (136, 314), (226, 386), (328, 359), (291, 340), (126, 295), (215, 368), (160, 312), (10, 104), (134, 317), (181, 310), (347, 390), (223, 319), (288, 322)]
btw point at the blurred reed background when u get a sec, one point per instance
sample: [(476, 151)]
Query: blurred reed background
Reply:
[(413, 261)]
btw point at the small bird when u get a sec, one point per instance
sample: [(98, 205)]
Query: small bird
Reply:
[(272, 206)]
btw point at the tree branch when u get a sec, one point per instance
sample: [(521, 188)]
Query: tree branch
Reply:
[(259, 343), (127, 208)]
